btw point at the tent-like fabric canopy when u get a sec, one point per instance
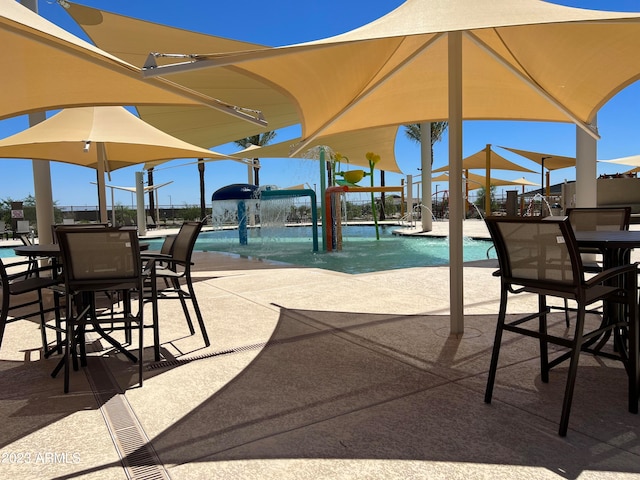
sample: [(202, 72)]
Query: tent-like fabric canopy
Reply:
[(479, 161), (104, 138), (127, 140), (521, 60), (477, 181), (46, 68), (632, 161), (353, 145), (132, 40), (547, 160)]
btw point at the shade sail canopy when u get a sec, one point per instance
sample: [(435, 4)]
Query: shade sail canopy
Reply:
[(479, 161), (132, 40), (521, 60), (524, 182), (477, 181), (353, 145), (632, 161), (127, 140), (547, 160), (47, 68)]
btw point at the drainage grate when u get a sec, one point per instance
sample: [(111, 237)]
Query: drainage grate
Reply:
[(182, 361), (139, 459)]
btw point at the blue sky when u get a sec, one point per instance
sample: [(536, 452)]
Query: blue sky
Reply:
[(277, 23)]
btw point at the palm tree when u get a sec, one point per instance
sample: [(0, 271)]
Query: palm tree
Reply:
[(412, 131), (259, 140)]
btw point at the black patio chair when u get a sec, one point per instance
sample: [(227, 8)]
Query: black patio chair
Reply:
[(541, 256), (100, 260), (587, 219), (174, 269), (22, 290)]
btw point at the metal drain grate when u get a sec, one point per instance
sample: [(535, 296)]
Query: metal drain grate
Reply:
[(138, 457), (182, 361)]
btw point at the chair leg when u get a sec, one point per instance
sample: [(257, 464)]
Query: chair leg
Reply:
[(566, 312), (488, 393), (3, 322), (633, 344), (185, 309), (544, 348), (196, 307), (573, 370), (43, 324)]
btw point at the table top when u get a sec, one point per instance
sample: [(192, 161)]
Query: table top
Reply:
[(609, 239), (49, 249)]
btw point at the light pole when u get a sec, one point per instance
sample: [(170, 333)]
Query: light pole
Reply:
[(171, 207)]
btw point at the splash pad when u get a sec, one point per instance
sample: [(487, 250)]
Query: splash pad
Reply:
[(244, 201)]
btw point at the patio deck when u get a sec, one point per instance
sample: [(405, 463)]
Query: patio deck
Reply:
[(316, 374)]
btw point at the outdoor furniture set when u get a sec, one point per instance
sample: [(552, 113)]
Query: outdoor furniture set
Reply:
[(94, 262), (543, 256)]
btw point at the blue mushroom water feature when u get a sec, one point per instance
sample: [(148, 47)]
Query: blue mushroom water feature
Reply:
[(241, 193)]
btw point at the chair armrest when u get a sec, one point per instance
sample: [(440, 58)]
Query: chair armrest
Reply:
[(155, 256), (612, 273)]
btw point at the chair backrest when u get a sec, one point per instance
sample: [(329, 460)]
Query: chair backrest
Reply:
[(536, 252), (167, 244), (184, 241), (22, 226), (76, 226), (599, 219), (97, 258)]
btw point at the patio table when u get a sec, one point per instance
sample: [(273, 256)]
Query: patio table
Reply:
[(616, 247)]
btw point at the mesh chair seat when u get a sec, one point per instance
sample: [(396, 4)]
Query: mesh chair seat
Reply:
[(541, 256)]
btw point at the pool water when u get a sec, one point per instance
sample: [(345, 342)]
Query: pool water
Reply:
[(361, 252)]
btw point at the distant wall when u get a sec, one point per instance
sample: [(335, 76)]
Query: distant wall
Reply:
[(619, 192)]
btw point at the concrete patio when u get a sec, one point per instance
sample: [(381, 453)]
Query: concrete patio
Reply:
[(316, 374)]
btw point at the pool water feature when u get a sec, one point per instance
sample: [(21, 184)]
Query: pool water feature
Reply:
[(361, 252)]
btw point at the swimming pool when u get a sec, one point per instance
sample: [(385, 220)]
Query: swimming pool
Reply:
[(361, 252)]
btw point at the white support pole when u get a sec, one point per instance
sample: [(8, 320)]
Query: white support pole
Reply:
[(456, 270), (425, 163), (586, 169)]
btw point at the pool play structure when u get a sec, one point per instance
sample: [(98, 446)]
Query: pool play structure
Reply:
[(244, 201), (242, 194)]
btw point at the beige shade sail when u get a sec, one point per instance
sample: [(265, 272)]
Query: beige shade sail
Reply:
[(47, 68), (479, 161), (525, 183), (632, 161), (132, 40), (521, 60), (105, 138), (477, 181), (547, 160), (353, 145), (127, 140)]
